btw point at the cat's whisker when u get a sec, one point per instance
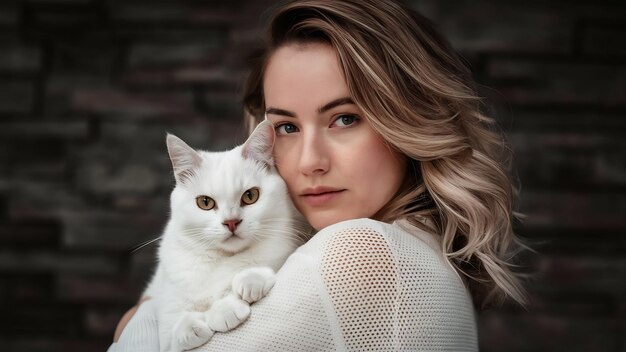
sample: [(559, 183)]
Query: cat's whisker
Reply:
[(270, 232), (279, 226), (203, 242), (270, 228), (280, 220), (291, 225), (143, 244)]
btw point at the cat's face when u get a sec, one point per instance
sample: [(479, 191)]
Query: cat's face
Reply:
[(228, 200)]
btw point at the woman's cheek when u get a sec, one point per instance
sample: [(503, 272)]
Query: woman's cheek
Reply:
[(285, 166)]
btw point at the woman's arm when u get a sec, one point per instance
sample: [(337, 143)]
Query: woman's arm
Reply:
[(123, 322), (356, 285), (291, 317), (140, 331), (126, 317)]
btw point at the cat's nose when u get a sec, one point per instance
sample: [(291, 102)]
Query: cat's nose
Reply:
[(232, 224)]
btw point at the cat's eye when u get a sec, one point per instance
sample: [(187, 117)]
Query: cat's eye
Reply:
[(250, 196), (205, 203)]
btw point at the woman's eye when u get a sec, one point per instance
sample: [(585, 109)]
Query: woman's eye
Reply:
[(286, 128), (345, 120)]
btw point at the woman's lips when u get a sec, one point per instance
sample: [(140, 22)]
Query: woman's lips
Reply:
[(321, 198)]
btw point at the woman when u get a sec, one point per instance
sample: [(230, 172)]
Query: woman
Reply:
[(383, 147)]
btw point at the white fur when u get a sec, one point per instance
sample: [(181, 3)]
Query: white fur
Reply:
[(205, 279)]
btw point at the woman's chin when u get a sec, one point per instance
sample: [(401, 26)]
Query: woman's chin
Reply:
[(320, 221)]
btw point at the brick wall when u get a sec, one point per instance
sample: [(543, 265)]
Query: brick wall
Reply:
[(88, 89)]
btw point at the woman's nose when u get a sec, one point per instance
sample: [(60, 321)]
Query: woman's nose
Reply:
[(313, 155)]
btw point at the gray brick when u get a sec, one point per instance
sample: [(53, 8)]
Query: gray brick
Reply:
[(66, 16), (566, 121), (605, 40), (25, 287), (81, 288), (558, 82), (60, 87), (220, 104), (46, 318), (497, 26), (49, 261), (51, 344), (8, 15), (167, 33), (574, 210), (91, 54), (571, 170), (44, 129), (215, 12), (16, 96), (109, 230), (113, 155), (100, 178), (572, 242), (214, 76), (577, 303), (582, 274), (183, 76), (578, 140), (172, 54), (118, 104), (39, 160), (593, 161), (32, 233), (220, 134), (43, 199), (137, 12), (541, 332), (20, 58)]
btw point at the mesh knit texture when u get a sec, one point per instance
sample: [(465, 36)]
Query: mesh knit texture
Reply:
[(290, 318), (359, 285), (392, 292)]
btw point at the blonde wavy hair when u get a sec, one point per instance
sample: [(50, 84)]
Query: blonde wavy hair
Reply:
[(415, 91)]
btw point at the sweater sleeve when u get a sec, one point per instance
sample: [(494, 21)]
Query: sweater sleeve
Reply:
[(141, 333), (358, 285), (290, 318), (391, 291)]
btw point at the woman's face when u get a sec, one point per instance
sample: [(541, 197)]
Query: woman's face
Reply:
[(335, 166)]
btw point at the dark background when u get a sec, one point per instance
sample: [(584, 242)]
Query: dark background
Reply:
[(88, 89)]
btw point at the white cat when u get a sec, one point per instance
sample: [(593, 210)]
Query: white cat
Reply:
[(232, 226)]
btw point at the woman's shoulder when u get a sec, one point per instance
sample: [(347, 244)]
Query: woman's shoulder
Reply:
[(360, 244), (370, 235), (404, 279)]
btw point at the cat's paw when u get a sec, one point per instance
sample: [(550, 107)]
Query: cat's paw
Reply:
[(252, 284), (191, 331), (227, 313)]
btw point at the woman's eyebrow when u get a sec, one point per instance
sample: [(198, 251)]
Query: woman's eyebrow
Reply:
[(321, 110), (335, 103), (282, 112)]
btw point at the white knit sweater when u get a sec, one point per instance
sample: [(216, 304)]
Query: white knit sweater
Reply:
[(359, 285)]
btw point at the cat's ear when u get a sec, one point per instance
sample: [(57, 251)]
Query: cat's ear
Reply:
[(260, 144), (185, 160)]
